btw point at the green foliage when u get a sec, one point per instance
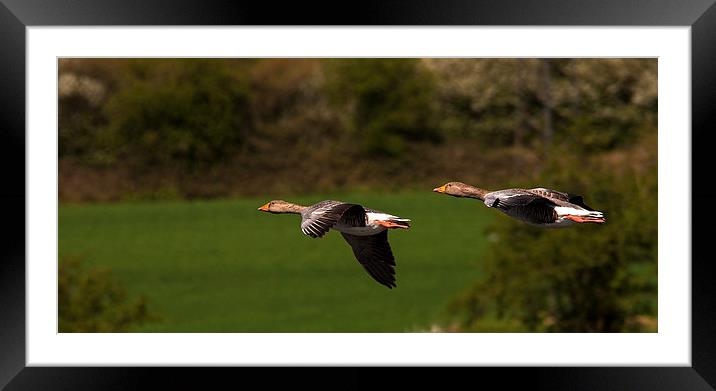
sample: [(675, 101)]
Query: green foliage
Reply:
[(596, 104), (194, 112), (91, 301), (486, 99), (606, 104), (83, 89), (78, 122), (586, 278), (391, 102)]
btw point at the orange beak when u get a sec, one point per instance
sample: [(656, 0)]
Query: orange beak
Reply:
[(440, 189), (264, 208)]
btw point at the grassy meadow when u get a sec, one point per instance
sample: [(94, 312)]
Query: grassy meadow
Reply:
[(223, 266)]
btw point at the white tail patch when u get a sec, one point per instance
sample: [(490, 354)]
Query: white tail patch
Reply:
[(564, 210), (373, 216)]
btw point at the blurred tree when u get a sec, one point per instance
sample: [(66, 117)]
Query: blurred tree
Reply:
[(521, 125), (390, 102), (590, 278), (492, 100), (193, 112), (83, 88), (587, 104), (78, 116), (91, 301), (602, 104), (546, 97), (297, 129)]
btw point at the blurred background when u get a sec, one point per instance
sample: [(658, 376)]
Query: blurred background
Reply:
[(163, 162)]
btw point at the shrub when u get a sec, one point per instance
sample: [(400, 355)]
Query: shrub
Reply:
[(192, 112), (390, 102), (90, 301)]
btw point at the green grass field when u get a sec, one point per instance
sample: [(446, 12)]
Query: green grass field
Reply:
[(223, 266)]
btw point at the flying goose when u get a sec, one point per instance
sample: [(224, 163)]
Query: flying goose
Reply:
[(539, 206), (364, 229)]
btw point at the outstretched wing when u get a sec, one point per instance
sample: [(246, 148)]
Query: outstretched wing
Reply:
[(319, 219), (558, 195), (374, 254), (528, 207)]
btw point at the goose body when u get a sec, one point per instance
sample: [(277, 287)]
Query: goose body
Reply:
[(539, 206), (365, 230)]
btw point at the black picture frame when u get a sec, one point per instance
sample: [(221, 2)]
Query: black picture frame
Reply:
[(16, 15)]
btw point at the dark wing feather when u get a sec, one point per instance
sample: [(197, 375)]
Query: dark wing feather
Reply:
[(325, 215), (579, 201), (520, 200), (374, 254), (528, 207)]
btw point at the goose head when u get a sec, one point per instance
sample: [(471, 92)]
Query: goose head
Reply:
[(459, 189), (280, 206), (455, 189)]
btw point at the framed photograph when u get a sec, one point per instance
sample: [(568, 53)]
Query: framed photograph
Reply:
[(516, 189)]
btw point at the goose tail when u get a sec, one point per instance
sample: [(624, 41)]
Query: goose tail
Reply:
[(580, 215), (403, 223)]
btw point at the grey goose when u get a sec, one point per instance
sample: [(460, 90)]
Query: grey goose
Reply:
[(539, 206), (364, 229)]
